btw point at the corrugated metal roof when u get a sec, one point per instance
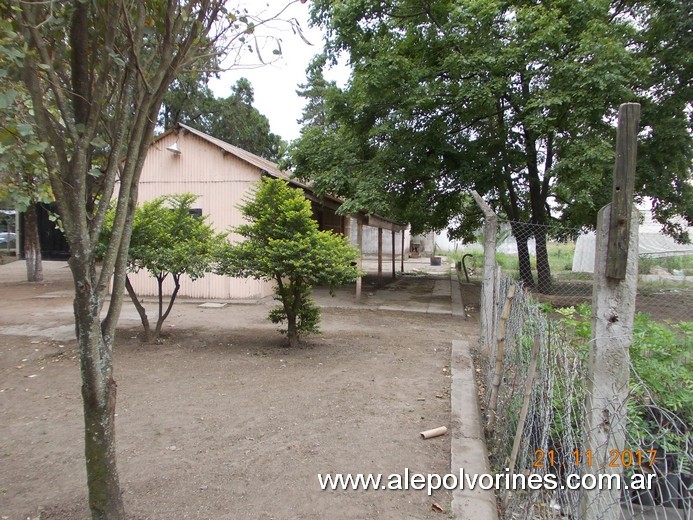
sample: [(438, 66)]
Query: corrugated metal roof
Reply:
[(248, 157)]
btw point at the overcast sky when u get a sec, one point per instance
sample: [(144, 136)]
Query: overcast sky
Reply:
[(275, 84)]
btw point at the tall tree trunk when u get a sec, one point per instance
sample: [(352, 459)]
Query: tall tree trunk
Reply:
[(99, 400), (521, 230), (104, 92), (544, 284), (541, 214), (538, 191), (521, 233), (32, 246)]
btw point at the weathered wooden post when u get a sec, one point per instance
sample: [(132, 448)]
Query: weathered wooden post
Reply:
[(613, 311), (487, 334), (401, 258), (380, 257), (359, 243), (394, 252)]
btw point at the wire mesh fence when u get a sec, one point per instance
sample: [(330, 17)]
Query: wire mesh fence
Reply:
[(536, 382), (665, 268)]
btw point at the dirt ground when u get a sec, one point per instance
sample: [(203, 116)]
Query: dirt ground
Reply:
[(221, 421)]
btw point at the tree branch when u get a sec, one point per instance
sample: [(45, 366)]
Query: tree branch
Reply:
[(162, 317), (29, 15)]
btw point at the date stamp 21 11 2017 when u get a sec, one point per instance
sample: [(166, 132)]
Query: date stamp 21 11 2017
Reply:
[(579, 458)]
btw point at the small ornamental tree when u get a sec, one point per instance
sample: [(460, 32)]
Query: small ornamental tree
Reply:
[(282, 243), (168, 239)]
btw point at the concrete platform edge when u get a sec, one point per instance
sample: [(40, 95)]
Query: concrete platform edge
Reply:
[(468, 446), (456, 296)]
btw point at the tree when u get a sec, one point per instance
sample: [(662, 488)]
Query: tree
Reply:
[(514, 99), (23, 179), (315, 91), (282, 243), (189, 100), (168, 239), (232, 119), (96, 73)]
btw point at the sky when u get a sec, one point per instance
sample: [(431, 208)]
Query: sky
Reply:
[(275, 84)]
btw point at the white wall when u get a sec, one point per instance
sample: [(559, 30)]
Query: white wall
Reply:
[(370, 240)]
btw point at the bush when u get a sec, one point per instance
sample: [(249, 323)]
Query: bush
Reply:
[(662, 374), (282, 243)]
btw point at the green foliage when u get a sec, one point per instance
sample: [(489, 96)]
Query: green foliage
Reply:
[(662, 373), (315, 91), (23, 176), (282, 243), (299, 297), (515, 99), (577, 319), (232, 119), (670, 263), (661, 357), (167, 239)]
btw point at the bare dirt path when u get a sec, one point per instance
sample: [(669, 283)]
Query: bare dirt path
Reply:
[(220, 421)]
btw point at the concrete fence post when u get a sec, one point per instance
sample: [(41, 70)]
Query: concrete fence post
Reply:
[(487, 310), (613, 312)]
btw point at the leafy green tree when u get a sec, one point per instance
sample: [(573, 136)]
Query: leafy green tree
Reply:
[(282, 243), (96, 73), (23, 177), (514, 99), (232, 119), (315, 91), (189, 100), (168, 239)]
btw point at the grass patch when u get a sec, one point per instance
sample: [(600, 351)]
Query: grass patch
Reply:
[(670, 263), (560, 258)]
